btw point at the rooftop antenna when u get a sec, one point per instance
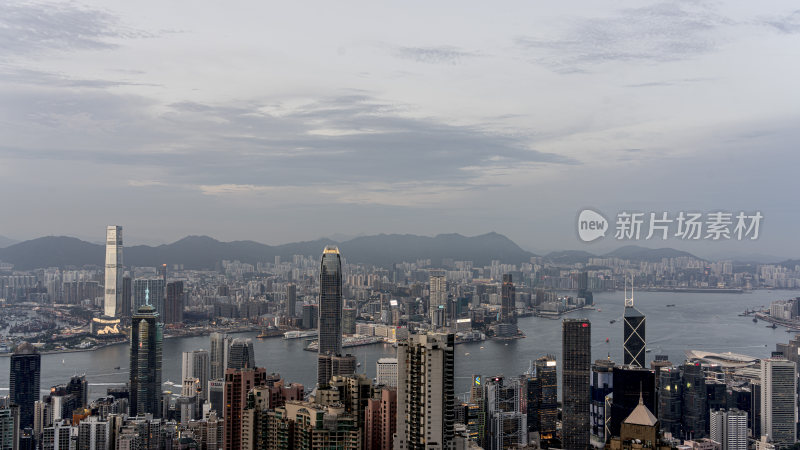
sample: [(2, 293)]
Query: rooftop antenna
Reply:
[(147, 296), (628, 300)]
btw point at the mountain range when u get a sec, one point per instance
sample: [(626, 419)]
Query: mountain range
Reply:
[(201, 252)]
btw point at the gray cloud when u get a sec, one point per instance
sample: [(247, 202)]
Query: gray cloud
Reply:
[(788, 24), (35, 77), (434, 55), (661, 32), (29, 28), (352, 138)]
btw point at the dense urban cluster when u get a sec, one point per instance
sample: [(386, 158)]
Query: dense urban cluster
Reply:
[(228, 400)]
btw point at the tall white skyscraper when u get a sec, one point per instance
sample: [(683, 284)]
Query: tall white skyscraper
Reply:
[(425, 392), (779, 400), (196, 365), (438, 290), (729, 428), (113, 286)]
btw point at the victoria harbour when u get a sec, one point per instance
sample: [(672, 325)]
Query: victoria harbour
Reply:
[(708, 322)]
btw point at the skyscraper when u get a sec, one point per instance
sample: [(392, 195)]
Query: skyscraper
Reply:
[(145, 361), (630, 385), (670, 400), (330, 304), (438, 292), (576, 369), (546, 393), (695, 401), (633, 329), (729, 428), (241, 354), (175, 299), (508, 300), (112, 306), (779, 400), (507, 422), (238, 382), (24, 378), (425, 392), (602, 385), (195, 364), (291, 299), (218, 355)]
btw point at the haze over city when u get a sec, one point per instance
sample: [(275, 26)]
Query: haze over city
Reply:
[(289, 123)]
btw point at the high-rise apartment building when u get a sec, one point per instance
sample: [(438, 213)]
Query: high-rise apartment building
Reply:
[(438, 293), (24, 381), (576, 370), (386, 370), (779, 400), (425, 392), (145, 361), (238, 383), (291, 299), (112, 306), (195, 364), (729, 428), (218, 355)]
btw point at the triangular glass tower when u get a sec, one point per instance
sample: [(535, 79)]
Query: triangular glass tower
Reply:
[(633, 347)]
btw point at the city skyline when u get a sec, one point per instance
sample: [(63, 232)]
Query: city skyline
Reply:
[(653, 96)]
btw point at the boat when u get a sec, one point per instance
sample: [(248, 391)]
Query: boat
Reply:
[(648, 351), (671, 305), (116, 368), (612, 320), (296, 334), (755, 320), (466, 354), (773, 326)]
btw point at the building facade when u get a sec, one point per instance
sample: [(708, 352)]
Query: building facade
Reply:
[(576, 370)]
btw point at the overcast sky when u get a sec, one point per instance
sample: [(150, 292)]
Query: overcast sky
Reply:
[(285, 121)]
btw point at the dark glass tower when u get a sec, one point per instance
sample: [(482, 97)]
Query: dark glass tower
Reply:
[(630, 384), (507, 313), (633, 329), (26, 368), (670, 401), (543, 398), (145, 354), (241, 354), (695, 402), (330, 306), (330, 302), (576, 370)]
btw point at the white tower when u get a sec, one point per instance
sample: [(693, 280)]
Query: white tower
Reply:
[(113, 293)]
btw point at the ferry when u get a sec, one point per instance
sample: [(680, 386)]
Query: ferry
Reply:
[(297, 334)]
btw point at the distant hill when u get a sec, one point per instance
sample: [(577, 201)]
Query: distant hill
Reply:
[(5, 242), (636, 253), (630, 252), (199, 252), (569, 256)]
